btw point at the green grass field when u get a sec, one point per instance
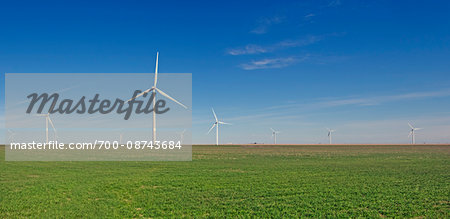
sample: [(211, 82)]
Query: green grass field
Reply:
[(228, 181)]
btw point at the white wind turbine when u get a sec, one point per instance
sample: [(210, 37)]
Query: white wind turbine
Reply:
[(216, 124), (330, 131), (182, 135), (155, 90), (412, 133), (47, 120), (274, 135), (11, 136)]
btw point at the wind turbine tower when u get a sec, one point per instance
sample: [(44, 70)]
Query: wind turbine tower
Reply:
[(47, 120), (182, 135), (330, 131), (11, 136), (154, 91), (274, 135), (216, 124), (412, 133)]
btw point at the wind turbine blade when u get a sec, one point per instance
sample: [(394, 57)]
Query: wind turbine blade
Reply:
[(214, 125), (410, 126), (166, 95), (272, 129), (156, 70), (410, 133), (225, 123), (214, 114), (418, 129), (146, 91), (10, 132), (51, 123)]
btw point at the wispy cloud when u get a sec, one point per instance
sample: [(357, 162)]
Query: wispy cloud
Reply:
[(367, 101), (334, 3), (297, 111), (377, 100), (300, 123), (298, 43), (271, 63), (309, 16), (265, 23), (396, 130), (248, 49), (256, 49)]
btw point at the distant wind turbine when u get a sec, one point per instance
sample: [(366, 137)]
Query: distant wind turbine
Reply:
[(330, 131), (47, 120), (412, 133), (182, 135), (216, 124), (155, 90), (274, 135), (11, 136)]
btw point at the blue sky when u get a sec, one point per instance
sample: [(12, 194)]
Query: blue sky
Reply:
[(364, 68)]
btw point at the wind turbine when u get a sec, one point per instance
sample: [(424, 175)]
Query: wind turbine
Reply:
[(11, 136), (274, 135), (47, 120), (329, 133), (182, 135), (412, 133), (216, 124), (155, 90)]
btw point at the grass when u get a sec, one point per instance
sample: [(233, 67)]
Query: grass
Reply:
[(229, 181)]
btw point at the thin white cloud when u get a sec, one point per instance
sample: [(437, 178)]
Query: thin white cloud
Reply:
[(334, 3), (298, 43), (299, 124), (284, 44), (309, 16), (249, 49), (270, 63), (436, 130), (257, 49), (390, 98), (291, 111), (265, 23), (367, 101)]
